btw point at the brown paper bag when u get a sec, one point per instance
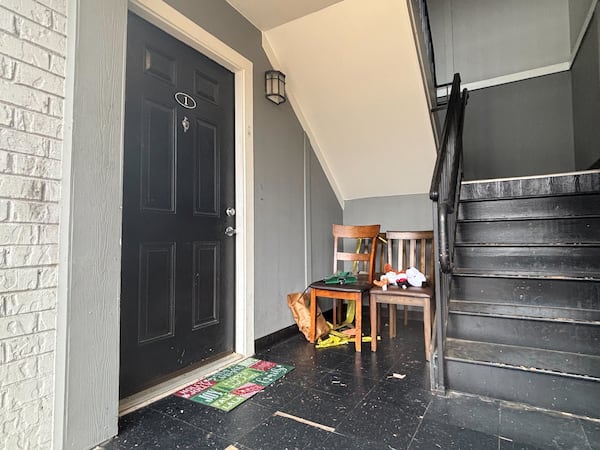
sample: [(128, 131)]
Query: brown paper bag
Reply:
[(301, 312)]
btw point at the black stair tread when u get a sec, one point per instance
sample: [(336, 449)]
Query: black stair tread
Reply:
[(563, 217), (501, 198), (567, 183), (583, 276), (541, 312), (525, 358)]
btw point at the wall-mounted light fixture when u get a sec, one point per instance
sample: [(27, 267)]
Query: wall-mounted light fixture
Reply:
[(275, 86)]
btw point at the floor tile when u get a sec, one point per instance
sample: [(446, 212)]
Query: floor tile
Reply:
[(415, 374), (592, 433), (278, 394), (307, 355), (509, 444), (465, 412), (337, 441), (433, 435), (305, 376), (345, 384), (283, 433), (230, 425), (401, 394), (380, 422), (543, 430), (322, 407), (368, 364), (150, 429)]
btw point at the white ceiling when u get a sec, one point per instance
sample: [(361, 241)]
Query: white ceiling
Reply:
[(267, 14), (354, 82)]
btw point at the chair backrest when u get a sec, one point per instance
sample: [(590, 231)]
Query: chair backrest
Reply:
[(364, 246), (411, 249), (381, 256)]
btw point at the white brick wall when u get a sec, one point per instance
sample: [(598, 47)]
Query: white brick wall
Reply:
[(32, 65)]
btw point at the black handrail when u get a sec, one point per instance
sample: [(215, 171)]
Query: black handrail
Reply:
[(442, 152), (426, 25), (445, 179), (445, 193)]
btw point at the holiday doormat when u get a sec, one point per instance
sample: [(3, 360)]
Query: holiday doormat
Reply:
[(235, 384)]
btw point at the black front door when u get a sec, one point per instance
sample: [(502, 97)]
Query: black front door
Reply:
[(177, 295)]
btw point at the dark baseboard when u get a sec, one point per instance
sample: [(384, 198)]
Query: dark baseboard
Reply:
[(269, 340)]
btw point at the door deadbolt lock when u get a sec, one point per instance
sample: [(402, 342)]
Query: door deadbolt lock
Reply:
[(230, 211), (230, 231)]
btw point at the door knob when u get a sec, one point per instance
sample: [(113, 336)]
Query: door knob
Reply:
[(230, 231)]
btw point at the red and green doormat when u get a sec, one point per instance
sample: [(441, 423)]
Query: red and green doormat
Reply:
[(235, 384)]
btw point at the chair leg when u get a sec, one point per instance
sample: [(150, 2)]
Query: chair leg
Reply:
[(374, 315), (358, 322), (392, 314), (405, 315), (313, 316), (334, 313), (427, 326), (378, 316)]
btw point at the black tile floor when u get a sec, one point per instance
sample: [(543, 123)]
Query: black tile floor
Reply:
[(354, 395)]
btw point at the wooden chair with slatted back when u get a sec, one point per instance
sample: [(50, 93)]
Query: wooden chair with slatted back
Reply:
[(406, 249), (366, 236)]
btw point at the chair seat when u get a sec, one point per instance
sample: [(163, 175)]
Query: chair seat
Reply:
[(395, 291), (360, 286)]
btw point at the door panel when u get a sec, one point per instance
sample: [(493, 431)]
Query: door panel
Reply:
[(206, 169), (206, 293), (158, 156), (178, 277), (157, 292)]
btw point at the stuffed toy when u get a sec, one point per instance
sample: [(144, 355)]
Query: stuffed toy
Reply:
[(414, 277), (391, 277)]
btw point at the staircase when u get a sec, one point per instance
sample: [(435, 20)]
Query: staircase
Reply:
[(524, 307)]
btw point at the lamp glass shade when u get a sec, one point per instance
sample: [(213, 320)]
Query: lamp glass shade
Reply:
[(275, 86)]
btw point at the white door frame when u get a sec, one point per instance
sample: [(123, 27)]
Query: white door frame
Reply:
[(179, 26)]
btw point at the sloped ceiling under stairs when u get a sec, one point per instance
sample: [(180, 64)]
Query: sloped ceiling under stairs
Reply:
[(354, 81)]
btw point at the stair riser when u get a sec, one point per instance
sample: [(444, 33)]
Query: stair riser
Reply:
[(546, 260), (573, 230), (540, 207), (524, 187), (574, 314), (534, 292), (542, 390), (561, 336)]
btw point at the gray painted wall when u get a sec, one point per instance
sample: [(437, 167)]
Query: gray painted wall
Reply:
[(278, 174), (484, 39), (519, 129), (578, 10), (324, 212), (397, 213), (586, 97)]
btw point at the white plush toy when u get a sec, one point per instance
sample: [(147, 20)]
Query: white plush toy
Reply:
[(415, 278)]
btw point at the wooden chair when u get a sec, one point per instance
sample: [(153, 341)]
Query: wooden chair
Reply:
[(366, 236), (411, 249)]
